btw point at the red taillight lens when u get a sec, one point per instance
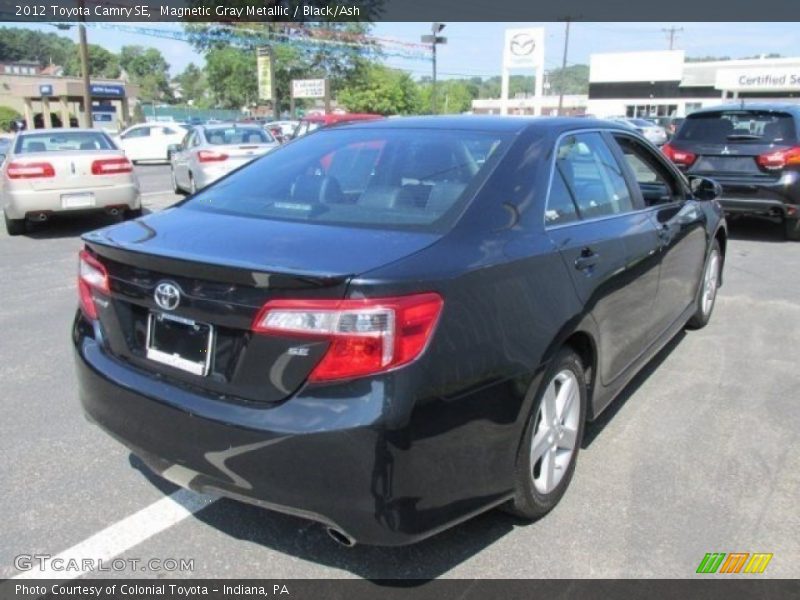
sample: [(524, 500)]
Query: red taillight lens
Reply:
[(205, 156), (91, 276), (682, 158), (780, 158), (111, 166), (30, 170), (366, 336)]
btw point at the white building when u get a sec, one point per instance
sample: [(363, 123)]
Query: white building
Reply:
[(572, 105), (656, 84)]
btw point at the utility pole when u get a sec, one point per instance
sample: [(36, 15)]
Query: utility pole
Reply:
[(671, 31), (434, 40), (567, 21), (84, 51)]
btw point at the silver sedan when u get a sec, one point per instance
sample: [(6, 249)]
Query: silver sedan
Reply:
[(210, 152), (65, 170)]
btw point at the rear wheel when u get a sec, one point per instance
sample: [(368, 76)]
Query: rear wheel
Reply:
[(791, 229), (708, 289), (175, 187), (14, 226), (552, 438)]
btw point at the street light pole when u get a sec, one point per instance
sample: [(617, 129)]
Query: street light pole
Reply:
[(434, 40), (84, 51), (563, 67)]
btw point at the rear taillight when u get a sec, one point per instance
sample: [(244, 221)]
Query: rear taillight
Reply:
[(91, 276), (205, 156), (366, 336), (111, 166), (30, 170), (779, 159), (682, 158)]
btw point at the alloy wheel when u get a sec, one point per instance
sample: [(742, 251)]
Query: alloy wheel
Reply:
[(710, 283)]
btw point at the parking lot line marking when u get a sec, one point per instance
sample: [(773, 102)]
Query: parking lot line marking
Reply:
[(123, 535)]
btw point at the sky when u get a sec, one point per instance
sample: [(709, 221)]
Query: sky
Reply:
[(475, 49)]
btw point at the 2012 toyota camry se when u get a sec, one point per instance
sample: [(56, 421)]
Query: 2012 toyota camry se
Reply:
[(391, 326)]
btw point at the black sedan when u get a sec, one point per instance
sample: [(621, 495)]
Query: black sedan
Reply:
[(753, 151), (389, 327)]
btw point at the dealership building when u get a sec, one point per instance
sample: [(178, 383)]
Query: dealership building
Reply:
[(660, 84)]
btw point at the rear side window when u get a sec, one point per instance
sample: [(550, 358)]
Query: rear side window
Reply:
[(218, 136), (593, 176), (417, 179), (136, 133), (54, 142), (739, 126)]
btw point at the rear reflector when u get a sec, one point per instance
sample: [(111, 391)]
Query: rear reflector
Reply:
[(91, 276), (366, 336), (30, 170), (682, 158), (111, 166), (205, 156), (780, 158)]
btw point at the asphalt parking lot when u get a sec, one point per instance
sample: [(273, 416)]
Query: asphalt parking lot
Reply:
[(699, 455)]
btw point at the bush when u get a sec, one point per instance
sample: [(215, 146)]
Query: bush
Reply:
[(7, 114)]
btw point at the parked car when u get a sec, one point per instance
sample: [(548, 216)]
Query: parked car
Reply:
[(208, 153), (150, 142), (281, 130), (65, 171), (754, 153), (654, 133), (313, 122), (369, 329)]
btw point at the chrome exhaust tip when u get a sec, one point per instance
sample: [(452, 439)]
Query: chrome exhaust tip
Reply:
[(340, 537)]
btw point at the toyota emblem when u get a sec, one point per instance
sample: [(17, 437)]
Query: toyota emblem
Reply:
[(522, 44), (167, 295)]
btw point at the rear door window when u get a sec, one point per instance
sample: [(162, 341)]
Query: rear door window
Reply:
[(593, 176), (739, 126)]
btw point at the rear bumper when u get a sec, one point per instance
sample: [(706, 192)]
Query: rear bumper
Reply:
[(756, 197), (19, 203), (338, 458)]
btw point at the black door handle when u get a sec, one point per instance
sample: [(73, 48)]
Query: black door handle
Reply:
[(587, 259)]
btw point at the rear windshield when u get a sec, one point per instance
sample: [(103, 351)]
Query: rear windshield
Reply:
[(391, 178), (720, 127), (54, 142), (219, 136)]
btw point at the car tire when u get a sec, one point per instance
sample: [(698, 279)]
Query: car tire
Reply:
[(15, 226), (791, 229), (192, 185), (552, 438), (133, 213), (175, 187), (707, 294)]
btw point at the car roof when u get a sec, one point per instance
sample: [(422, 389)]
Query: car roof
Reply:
[(341, 118), (59, 130), (760, 106), (501, 124)]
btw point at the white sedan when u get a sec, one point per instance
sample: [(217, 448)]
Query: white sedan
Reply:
[(149, 142)]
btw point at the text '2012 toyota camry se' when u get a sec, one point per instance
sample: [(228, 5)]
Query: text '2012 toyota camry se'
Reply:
[(389, 327)]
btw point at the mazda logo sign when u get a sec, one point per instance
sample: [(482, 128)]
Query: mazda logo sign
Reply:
[(167, 295), (522, 44)]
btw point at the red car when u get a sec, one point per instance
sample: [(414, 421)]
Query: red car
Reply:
[(312, 122)]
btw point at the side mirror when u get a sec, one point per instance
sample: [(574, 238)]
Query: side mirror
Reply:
[(704, 188)]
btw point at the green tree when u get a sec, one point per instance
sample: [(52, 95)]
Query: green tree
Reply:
[(7, 115), (453, 96), (25, 44), (102, 63), (231, 77), (381, 90), (193, 85), (147, 68)]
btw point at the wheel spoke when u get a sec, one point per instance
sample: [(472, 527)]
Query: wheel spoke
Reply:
[(566, 396), (548, 470), (567, 442), (539, 445), (549, 404)]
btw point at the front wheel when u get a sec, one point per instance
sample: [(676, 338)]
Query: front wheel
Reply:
[(791, 229), (708, 289), (549, 450)]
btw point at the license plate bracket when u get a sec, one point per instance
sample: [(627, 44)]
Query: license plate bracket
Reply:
[(78, 200), (180, 343)]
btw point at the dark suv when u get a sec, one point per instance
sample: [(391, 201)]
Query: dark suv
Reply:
[(753, 151)]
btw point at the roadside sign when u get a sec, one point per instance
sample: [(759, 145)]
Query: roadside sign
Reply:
[(308, 88)]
